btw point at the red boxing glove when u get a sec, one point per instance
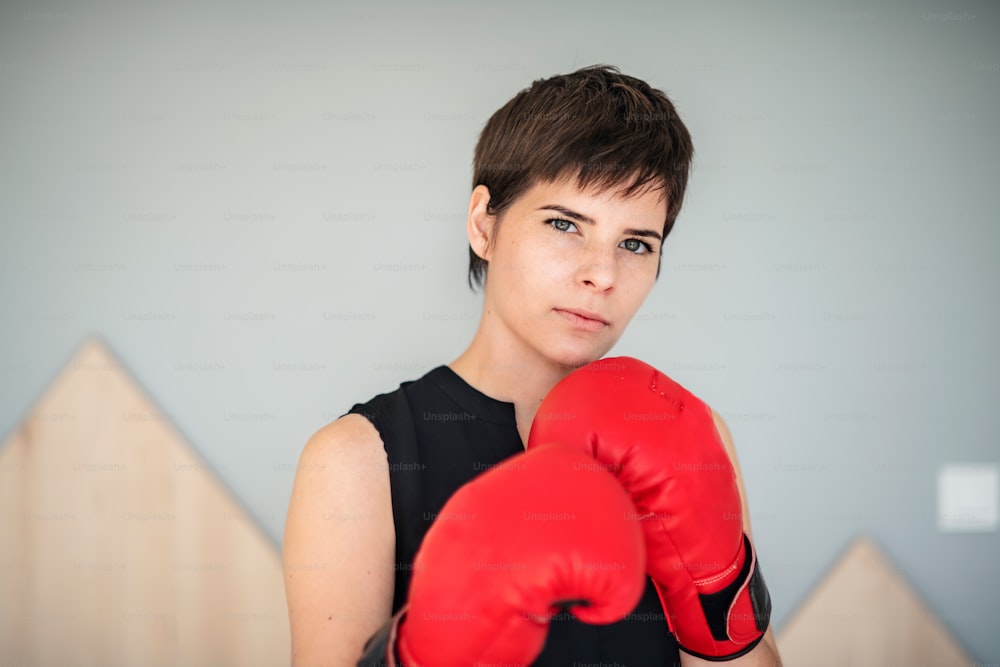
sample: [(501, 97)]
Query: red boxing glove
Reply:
[(540, 531), (662, 443)]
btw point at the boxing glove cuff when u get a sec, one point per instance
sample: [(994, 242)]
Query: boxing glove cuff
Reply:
[(737, 616)]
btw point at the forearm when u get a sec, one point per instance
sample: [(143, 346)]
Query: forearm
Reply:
[(765, 654)]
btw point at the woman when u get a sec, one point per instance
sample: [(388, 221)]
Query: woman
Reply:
[(577, 182)]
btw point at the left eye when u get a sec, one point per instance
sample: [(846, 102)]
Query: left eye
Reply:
[(636, 246)]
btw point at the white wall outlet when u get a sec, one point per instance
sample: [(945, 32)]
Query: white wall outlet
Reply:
[(968, 497)]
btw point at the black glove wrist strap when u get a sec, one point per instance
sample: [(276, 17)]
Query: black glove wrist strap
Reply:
[(380, 649)]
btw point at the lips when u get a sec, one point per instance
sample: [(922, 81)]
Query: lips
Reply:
[(583, 319)]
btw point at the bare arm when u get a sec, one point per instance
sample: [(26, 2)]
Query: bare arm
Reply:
[(339, 544), (765, 654)]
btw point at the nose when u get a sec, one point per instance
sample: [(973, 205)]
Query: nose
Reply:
[(598, 271)]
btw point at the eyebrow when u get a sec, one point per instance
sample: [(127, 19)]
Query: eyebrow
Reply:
[(580, 217)]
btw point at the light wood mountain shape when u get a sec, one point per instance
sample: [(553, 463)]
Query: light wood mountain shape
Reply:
[(118, 545), (863, 613)]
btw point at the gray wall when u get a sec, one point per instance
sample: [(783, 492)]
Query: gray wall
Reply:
[(260, 209)]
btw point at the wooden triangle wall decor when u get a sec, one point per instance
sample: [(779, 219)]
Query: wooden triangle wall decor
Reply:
[(119, 545), (864, 613)]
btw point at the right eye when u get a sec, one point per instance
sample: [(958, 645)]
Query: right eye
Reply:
[(561, 225)]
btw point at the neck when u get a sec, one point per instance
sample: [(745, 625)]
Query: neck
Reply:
[(505, 369)]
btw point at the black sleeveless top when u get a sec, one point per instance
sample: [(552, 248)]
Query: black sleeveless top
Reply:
[(439, 432)]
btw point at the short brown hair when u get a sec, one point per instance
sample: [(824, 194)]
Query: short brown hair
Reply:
[(608, 128)]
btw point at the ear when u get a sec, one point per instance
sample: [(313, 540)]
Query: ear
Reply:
[(480, 223)]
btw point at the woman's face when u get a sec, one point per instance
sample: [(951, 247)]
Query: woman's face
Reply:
[(569, 268)]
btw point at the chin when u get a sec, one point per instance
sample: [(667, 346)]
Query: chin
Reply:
[(574, 356)]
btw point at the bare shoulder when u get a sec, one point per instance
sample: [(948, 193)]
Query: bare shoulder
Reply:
[(720, 424), (727, 440), (339, 546), (345, 463), (344, 467), (351, 433)]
